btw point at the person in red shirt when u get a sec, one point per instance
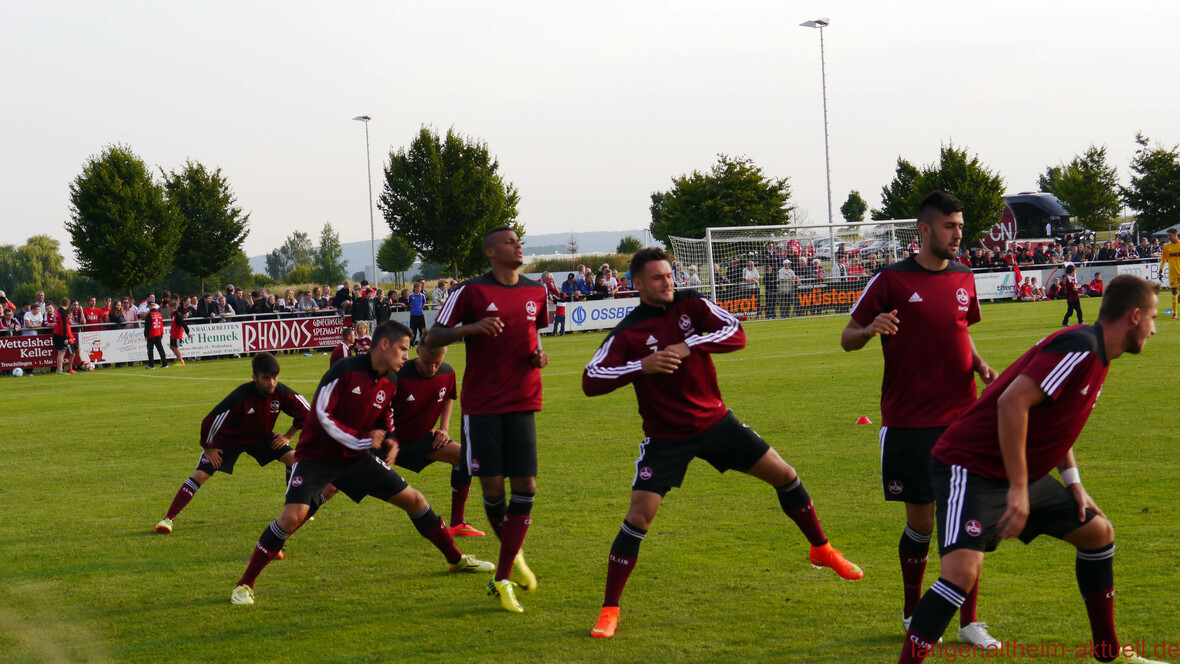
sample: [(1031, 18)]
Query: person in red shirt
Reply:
[(153, 333), (663, 349), (498, 316), (1096, 285), (363, 339), (991, 467), (179, 330), (63, 338), (348, 441), (426, 393), (345, 348), (92, 315), (1073, 295), (914, 305), (243, 423)]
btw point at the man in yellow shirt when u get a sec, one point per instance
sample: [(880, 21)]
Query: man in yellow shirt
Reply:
[(1170, 256)]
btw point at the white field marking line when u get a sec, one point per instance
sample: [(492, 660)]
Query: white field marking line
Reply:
[(155, 376)]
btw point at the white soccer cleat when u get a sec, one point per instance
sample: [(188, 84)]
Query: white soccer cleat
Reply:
[(977, 635), (243, 594), (1135, 659), (164, 526), (469, 563)]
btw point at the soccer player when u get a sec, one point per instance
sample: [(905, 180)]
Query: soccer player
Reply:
[(663, 349), (352, 414), (991, 467), (345, 348), (179, 329), (921, 308), (426, 392), (498, 316), (243, 423), (1073, 295), (153, 332), (1170, 256)]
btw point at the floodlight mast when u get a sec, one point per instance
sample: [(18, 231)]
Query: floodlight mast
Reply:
[(369, 169)]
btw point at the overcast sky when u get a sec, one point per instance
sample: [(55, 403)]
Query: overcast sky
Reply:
[(589, 107)]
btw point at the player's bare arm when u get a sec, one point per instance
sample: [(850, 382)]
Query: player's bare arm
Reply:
[(854, 337), (1068, 469), (981, 367), (1020, 397)]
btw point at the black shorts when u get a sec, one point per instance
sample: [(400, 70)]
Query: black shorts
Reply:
[(360, 476), (729, 444), (970, 507), (261, 452), (417, 321), (59, 343), (412, 455), (905, 463), (500, 445), (174, 343)]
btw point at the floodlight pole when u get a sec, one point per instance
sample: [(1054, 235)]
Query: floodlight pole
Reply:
[(369, 169), (822, 23)]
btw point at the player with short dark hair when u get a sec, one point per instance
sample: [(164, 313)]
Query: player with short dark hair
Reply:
[(153, 332), (1073, 295), (922, 304), (991, 467), (663, 349), (243, 423), (346, 347), (498, 316), (426, 392), (352, 414)]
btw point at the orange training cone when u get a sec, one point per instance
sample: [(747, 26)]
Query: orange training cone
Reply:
[(863, 419)]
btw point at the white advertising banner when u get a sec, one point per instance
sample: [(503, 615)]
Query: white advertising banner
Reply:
[(598, 314), (1000, 285), (128, 345), (1149, 271)]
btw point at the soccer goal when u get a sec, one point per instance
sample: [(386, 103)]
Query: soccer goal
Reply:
[(790, 271)]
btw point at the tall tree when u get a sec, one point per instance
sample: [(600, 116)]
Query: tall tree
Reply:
[(34, 266), (957, 173), (123, 229), (328, 262), (214, 227), (1155, 185), (734, 192), (442, 194), (897, 198), (853, 209), (628, 244), (296, 250), (395, 255), (1087, 186)]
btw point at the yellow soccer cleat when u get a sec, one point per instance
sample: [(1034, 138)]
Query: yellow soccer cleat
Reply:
[(243, 594), (469, 563), (826, 556), (503, 590), (608, 620), (524, 575)]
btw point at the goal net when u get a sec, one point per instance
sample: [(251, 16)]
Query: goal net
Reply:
[(790, 271)]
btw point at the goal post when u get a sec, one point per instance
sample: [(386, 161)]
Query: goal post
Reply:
[(769, 272)]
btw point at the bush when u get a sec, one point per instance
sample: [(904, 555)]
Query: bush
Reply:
[(566, 265)]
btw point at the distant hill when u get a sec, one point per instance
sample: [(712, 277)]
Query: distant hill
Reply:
[(357, 254)]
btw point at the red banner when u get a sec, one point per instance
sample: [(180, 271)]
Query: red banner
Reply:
[(34, 352), (319, 332)]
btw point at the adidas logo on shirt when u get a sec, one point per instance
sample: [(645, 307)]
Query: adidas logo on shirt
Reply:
[(651, 341), (915, 297), (410, 398), (493, 307), (1085, 390), (251, 411), (356, 390)]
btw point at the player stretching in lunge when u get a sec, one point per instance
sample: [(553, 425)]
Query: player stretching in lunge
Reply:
[(662, 348), (352, 413), (1170, 256), (243, 423), (991, 468), (921, 308), (425, 394), (498, 315)]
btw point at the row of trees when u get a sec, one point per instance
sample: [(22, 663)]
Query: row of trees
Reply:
[(735, 192), (297, 261)]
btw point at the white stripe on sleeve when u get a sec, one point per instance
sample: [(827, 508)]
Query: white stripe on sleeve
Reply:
[(326, 421)]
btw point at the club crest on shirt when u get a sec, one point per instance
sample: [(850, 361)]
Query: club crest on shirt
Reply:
[(685, 322), (645, 473), (962, 296), (379, 399), (442, 393), (274, 405), (474, 465), (531, 308), (896, 487), (296, 481), (973, 528)]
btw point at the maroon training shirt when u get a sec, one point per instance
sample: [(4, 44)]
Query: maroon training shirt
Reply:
[(248, 416), (1070, 366), (929, 378), (681, 404), (351, 401), (499, 376), (419, 402)]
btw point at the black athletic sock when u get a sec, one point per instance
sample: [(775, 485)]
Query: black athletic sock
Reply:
[(623, 554), (1095, 572), (797, 504), (934, 613), (495, 511), (912, 551)]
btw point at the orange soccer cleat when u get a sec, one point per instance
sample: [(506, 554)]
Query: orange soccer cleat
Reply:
[(608, 620), (826, 556)]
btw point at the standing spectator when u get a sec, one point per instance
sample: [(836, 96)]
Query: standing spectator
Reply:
[(1073, 296), (343, 294), (788, 282), (306, 304), (1106, 253), (33, 319), (417, 302), (363, 339), (116, 317), (91, 313), (439, 297), (559, 318), (362, 306), (153, 332), (63, 337), (693, 280), (600, 290), (9, 323), (570, 289), (6, 303), (179, 331), (381, 309), (551, 288), (40, 299)]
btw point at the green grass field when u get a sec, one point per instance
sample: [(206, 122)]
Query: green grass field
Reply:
[(89, 463)]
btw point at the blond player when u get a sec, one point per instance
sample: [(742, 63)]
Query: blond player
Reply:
[(1170, 256)]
